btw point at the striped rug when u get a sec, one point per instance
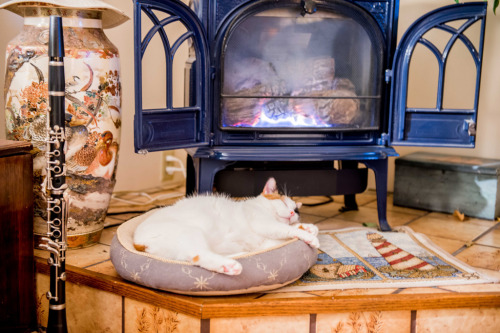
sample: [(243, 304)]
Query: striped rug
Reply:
[(367, 258)]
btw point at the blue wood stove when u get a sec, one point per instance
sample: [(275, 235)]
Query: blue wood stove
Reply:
[(300, 90)]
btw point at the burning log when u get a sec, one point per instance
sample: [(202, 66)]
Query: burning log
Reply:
[(254, 79), (249, 75), (340, 108), (319, 75)]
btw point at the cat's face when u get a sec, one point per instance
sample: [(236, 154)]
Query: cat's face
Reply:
[(285, 209)]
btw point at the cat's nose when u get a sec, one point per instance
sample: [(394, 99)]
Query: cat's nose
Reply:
[(292, 213)]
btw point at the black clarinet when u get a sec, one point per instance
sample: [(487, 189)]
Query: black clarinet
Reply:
[(57, 208)]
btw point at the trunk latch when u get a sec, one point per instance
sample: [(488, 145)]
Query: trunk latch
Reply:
[(471, 127)]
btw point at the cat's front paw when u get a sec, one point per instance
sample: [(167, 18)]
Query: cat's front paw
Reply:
[(310, 240), (310, 228), (314, 242), (233, 268)]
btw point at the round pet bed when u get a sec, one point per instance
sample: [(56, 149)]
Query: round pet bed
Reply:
[(264, 270)]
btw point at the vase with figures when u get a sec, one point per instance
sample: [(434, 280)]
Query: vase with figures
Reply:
[(93, 107)]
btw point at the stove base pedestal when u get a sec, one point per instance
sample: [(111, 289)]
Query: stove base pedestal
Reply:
[(241, 170)]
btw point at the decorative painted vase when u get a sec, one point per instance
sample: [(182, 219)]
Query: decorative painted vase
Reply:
[(93, 109)]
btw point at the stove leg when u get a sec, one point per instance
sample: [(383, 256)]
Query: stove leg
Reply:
[(349, 203), (379, 167), (190, 176), (349, 199), (206, 170)]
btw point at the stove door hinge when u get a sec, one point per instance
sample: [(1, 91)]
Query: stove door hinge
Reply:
[(211, 140), (383, 140), (388, 75)]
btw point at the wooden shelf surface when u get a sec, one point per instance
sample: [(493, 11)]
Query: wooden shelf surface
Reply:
[(237, 306)]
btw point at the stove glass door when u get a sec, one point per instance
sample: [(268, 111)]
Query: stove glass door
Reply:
[(321, 71)]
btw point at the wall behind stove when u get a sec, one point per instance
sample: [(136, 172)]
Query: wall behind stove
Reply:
[(135, 172), (139, 172), (488, 126)]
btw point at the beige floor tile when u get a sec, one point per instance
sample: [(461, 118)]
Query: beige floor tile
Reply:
[(142, 317), (87, 256), (106, 268), (361, 199), (370, 215), (165, 198), (383, 321), (313, 200), (474, 288), (326, 210), (307, 218), (92, 310), (398, 209), (265, 324), (334, 223), (366, 197), (124, 208), (286, 295), (481, 256), (107, 235), (324, 293), (240, 297), (338, 199), (125, 217), (492, 238), (493, 274), (423, 290), (363, 215), (458, 320), (111, 221), (352, 292), (449, 245), (245, 297), (447, 226), (451, 217), (372, 291)]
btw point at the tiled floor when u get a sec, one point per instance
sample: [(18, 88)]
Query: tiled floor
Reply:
[(474, 241)]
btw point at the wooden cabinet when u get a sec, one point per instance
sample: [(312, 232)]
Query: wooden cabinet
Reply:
[(17, 278)]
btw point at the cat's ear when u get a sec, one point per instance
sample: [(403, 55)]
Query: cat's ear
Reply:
[(298, 205), (270, 187)]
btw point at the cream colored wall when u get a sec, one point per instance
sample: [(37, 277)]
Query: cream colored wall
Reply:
[(139, 172), (134, 171)]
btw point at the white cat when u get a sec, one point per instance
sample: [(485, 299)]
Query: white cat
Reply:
[(205, 230)]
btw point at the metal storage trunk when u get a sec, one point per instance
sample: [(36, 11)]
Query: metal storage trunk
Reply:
[(446, 183)]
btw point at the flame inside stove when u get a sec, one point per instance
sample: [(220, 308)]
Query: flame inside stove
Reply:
[(280, 114)]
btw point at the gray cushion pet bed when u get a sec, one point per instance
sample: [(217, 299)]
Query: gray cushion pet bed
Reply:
[(264, 270)]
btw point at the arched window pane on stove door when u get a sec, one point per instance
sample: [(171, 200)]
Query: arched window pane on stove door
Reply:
[(458, 76), (284, 70), (165, 35), (459, 90)]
